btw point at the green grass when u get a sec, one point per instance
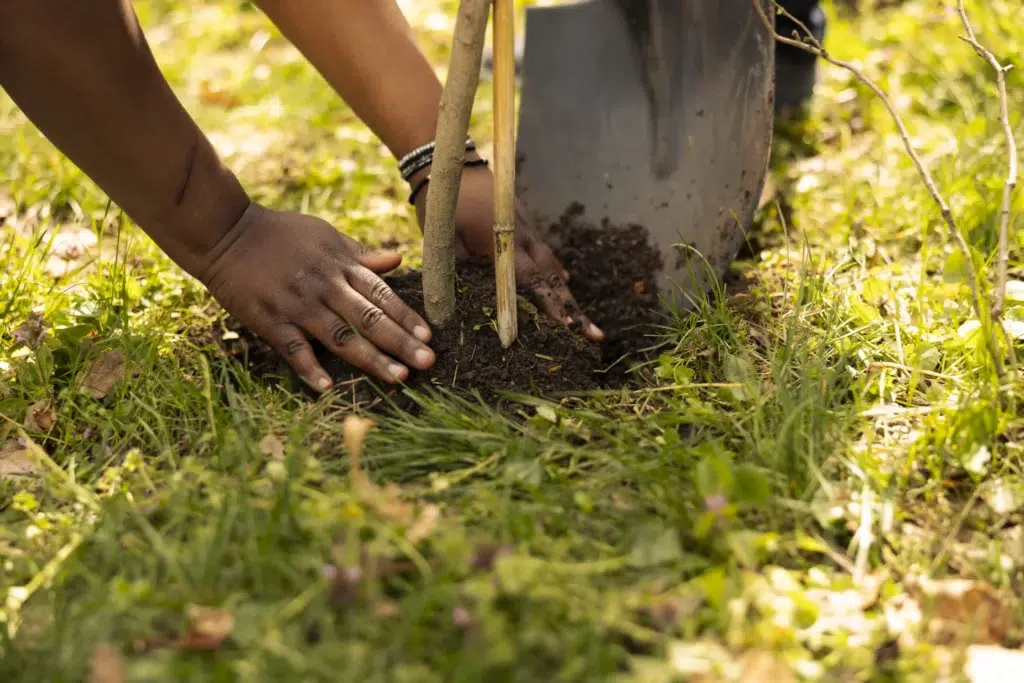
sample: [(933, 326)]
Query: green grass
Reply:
[(833, 432)]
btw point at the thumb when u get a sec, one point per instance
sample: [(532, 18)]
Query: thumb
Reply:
[(380, 261)]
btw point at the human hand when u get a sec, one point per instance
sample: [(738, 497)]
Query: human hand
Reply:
[(536, 265), (287, 275)]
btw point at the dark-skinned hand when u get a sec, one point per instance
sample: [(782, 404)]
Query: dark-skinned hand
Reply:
[(536, 265), (289, 277)]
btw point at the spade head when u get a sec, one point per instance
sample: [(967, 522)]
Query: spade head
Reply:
[(655, 113)]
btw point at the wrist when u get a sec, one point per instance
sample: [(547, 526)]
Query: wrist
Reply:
[(208, 204)]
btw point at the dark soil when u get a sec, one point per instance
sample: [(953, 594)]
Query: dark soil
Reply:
[(612, 275)]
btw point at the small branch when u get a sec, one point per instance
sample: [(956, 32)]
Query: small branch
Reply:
[(812, 45), (1003, 256), (449, 157)]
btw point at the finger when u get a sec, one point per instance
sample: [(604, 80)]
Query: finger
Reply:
[(379, 294), (289, 341), (555, 297), (461, 251), (340, 338), (380, 261), (545, 259), (377, 261)]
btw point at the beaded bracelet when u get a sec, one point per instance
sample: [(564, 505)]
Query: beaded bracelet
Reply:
[(421, 157), (423, 183)]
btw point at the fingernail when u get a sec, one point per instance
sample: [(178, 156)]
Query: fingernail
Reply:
[(422, 357), (568, 320), (421, 333), (397, 371), (565, 275), (321, 383), (595, 331)]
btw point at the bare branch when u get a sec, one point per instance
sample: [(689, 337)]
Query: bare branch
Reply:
[(1003, 257), (808, 43)]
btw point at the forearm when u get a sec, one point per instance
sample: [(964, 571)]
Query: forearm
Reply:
[(366, 51), (83, 73)]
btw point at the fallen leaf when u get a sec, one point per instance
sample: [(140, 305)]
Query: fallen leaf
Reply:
[(106, 665), (760, 665), (272, 446), (424, 524), (385, 609), (40, 416), (964, 608), (991, 664), (102, 373), (208, 627), (220, 98), (17, 460), (639, 288)]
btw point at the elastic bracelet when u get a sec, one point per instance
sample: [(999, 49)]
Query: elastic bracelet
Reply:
[(421, 157), (423, 183)]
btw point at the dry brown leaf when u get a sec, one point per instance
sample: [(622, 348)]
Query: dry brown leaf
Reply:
[(217, 97), (424, 524), (385, 609), (17, 460), (964, 608), (761, 665), (208, 627), (102, 373), (40, 416), (991, 664), (272, 446), (106, 665)]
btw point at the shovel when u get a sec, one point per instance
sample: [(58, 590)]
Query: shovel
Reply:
[(655, 113)]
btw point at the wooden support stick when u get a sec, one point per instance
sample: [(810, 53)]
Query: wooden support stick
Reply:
[(505, 170), (449, 157)]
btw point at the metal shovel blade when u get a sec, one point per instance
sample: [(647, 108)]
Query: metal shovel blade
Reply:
[(650, 112)]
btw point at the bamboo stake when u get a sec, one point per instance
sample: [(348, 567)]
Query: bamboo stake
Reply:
[(449, 157), (505, 170)]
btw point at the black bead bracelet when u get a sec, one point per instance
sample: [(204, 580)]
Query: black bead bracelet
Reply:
[(421, 157), (423, 183)]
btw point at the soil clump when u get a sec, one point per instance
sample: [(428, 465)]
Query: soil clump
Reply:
[(612, 276)]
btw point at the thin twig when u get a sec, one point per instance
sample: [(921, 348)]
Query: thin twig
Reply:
[(808, 43), (1003, 256)]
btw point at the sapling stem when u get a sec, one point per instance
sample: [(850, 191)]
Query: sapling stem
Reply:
[(449, 157)]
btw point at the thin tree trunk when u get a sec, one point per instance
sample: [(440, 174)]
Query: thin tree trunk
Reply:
[(449, 157)]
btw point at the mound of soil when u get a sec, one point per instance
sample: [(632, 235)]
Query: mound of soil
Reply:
[(612, 275)]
